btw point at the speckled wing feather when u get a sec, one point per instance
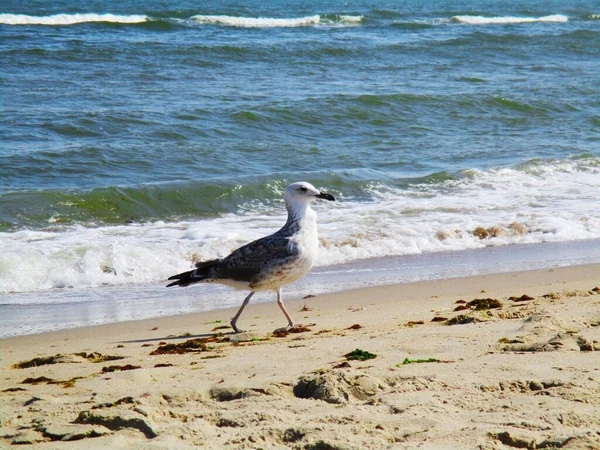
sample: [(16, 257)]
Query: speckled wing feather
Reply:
[(258, 257)]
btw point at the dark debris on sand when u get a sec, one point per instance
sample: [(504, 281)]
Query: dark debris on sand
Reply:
[(461, 319), (93, 357), (190, 346), (522, 298), (64, 383), (359, 355), (283, 332), (439, 319), (109, 369), (479, 304)]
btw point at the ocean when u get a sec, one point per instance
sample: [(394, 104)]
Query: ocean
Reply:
[(459, 137)]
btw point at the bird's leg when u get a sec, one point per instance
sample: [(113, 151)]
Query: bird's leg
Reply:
[(239, 313), (285, 313)]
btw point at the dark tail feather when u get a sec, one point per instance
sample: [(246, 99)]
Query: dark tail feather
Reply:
[(184, 279)]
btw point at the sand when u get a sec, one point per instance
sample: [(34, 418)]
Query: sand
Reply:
[(521, 372)]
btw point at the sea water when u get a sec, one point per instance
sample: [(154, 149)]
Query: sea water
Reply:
[(137, 138)]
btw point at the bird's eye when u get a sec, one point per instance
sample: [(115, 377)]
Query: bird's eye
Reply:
[(303, 189)]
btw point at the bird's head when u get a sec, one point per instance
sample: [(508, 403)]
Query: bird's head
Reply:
[(302, 192)]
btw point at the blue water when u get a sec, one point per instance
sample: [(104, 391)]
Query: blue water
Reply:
[(137, 137)]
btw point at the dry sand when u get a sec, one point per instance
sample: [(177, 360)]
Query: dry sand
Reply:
[(525, 374)]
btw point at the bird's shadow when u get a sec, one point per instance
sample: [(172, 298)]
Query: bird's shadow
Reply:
[(174, 338)]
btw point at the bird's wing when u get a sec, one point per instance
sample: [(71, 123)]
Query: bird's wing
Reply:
[(245, 263)]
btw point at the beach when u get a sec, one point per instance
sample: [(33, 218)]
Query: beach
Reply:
[(458, 139), (493, 361)]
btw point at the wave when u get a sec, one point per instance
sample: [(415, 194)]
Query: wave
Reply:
[(164, 22), (534, 202), (269, 22), (44, 209), (69, 19), (161, 21), (480, 20)]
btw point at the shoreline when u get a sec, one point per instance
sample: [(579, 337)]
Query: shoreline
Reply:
[(513, 374), (459, 286), (76, 308)]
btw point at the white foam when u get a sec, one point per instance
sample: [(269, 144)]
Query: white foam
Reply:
[(68, 19), (351, 19), (92, 257), (553, 201), (258, 22), (269, 22), (233, 21), (480, 20)]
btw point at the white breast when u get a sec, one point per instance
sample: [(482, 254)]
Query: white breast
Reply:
[(305, 243), (307, 238)]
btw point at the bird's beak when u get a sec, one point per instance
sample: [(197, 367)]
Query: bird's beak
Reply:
[(326, 196)]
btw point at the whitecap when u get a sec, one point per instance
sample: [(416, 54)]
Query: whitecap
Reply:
[(480, 20), (271, 22), (258, 22), (69, 19)]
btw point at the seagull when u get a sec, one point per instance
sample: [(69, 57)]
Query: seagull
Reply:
[(271, 262)]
